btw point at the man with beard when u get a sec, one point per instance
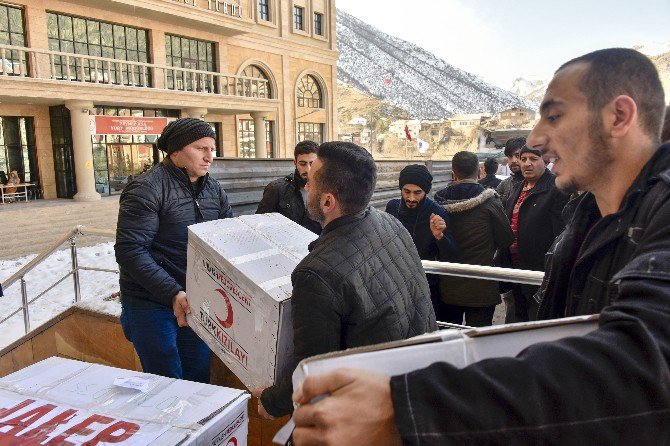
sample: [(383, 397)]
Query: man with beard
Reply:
[(362, 282), (534, 209), (425, 220), (288, 195), (512, 151), (600, 121)]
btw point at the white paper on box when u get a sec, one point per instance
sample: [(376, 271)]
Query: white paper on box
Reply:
[(459, 348), (79, 402), (238, 283)]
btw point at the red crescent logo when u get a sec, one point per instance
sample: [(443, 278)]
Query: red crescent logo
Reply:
[(229, 320), (232, 441)]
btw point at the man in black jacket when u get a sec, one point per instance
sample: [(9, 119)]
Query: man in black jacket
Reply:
[(288, 195), (151, 240), (426, 221), (600, 122), (512, 151), (362, 282), (534, 209), (480, 227), (490, 168)]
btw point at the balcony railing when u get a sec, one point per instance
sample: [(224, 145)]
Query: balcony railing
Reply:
[(55, 65)]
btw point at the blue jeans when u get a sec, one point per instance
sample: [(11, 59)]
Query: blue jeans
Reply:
[(165, 348)]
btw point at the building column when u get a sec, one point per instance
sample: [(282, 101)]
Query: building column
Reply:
[(83, 150), (196, 113), (259, 134)]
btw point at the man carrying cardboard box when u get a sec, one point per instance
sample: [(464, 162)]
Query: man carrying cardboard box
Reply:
[(362, 282), (600, 122)]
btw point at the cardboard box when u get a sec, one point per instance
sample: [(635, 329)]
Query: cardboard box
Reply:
[(62, 401), (238, 283), (456, 347)]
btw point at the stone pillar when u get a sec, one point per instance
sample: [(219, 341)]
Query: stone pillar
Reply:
[(259, 134), (83, 150), (197, 113)]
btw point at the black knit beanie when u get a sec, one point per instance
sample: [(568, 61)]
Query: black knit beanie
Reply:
[(526, 149), (416, 174), (182, 132)]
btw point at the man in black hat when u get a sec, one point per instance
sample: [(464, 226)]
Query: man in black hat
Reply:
[(425, 220), (151, 238), (512, 152)]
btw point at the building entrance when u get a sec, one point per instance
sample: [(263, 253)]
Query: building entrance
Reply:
[(123, 163)]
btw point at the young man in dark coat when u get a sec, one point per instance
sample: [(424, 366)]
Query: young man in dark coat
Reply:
[(480, 226), (600, 120), (426, 221), (151, 238), (534, 209), (287, 195), (512, 150), (490, 168), (362, 282)]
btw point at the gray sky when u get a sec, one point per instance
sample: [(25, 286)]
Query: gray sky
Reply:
[(499, 40)]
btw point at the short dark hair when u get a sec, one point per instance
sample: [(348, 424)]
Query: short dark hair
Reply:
[(349, 172), (465, 164), (665, 133), (623, 71), (491, 166), (514, 144), (304, 147)]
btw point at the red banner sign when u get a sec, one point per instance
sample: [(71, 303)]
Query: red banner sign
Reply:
[(127, 125)]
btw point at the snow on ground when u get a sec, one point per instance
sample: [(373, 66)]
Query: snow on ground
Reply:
[(95, 286)]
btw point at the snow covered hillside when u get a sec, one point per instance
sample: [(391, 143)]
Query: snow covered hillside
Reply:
[(410, 77)]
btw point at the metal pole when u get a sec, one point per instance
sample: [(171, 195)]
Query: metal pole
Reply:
[(75, 268), (24, 302)]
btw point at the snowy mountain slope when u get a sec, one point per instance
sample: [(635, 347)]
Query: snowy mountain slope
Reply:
[(410, 77)]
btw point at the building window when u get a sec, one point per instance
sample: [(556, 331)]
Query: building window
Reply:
[(298, 18), (318, 24), (77, 35), (251, 88), (245, 130), (309, 93), (12, 32), (264, 10), (191, 54), (310, 131), (17, 148)]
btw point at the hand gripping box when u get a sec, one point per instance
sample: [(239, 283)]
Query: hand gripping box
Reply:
[(457, 347), (64, 402), (238, 284)]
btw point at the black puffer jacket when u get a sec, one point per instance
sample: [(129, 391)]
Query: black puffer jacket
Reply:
[(151, 234), (284, 196), (362, 283)]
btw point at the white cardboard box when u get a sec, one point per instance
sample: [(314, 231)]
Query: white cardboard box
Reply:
[(238, 283), (456, 347), (71, 402)]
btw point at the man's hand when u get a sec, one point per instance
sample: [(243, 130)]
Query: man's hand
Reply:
[(357, 410), (181, 308), (437, 226), (261, 410)]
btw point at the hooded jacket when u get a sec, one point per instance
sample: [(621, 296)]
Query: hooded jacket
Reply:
[(480, 226)]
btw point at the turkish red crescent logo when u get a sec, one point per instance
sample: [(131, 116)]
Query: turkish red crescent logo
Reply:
[(229, 319), (232, 441)]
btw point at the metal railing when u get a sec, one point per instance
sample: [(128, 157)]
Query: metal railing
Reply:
[(433, 267), (37, 63)]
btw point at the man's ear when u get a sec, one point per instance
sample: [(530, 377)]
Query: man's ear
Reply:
[(620, 115), (329, 203)]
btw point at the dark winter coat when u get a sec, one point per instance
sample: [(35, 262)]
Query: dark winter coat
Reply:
[(417, 223), (480, 227), (151, 236), (540, 221), (284, 196), (362, 283), (490, 180), (611, 386), (506, 186)]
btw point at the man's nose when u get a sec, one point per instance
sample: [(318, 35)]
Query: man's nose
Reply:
[(537, 138)]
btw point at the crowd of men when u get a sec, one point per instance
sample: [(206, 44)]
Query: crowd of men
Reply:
[(596, 223)]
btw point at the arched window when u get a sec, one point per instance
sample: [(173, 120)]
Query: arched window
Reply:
[(252, 88), (309, 93)]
